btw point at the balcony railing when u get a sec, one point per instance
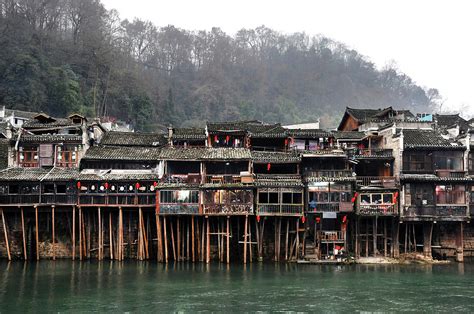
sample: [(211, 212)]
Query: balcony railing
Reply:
[(331, 207), (230, 208), (280, 209), (191, 178), (19, 199), (145, 199), (331, 236), (437, 211), (377, 209), (450, 173), (228, 179), (386, 182), (183, 208), (58, 199), (370, 153), (329, 173)]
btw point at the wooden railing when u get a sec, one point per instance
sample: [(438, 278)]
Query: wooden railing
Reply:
[(223, 179), (145, 199), (372, 152), (229, 208), (437, 211), (331, 207), (19, 199), (280, 209), (329, 173), (182, 208), (377, 209), (386, 182), (331, 236)]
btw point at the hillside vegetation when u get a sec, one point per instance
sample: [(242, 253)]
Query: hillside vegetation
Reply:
[(62, 56)]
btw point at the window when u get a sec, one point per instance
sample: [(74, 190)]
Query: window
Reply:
[(66, 156), (417, 161), (376, 198), (422, 194), (449, 160), (179, 197), (28, 156), (471, 162), (450, 194)]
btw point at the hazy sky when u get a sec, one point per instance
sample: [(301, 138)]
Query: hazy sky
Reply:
[(432, 41)]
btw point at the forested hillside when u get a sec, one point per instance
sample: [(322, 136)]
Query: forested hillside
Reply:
[(63, 56)]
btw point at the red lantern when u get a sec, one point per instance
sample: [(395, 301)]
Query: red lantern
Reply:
[(344, 219), (155, 183), (303, 219), (269, 166), (78, 184), (286, 142), (137, 185), (106, 185), (216, 139), (227, 139), (395, 197), (318, 220), (258, 218)]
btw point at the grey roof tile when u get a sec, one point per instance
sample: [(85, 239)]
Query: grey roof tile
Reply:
[(114, 138)]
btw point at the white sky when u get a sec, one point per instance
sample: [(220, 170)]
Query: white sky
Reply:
[(430, 40)]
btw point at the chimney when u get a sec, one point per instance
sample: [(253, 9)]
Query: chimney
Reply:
[(170, 134), (8, 130)]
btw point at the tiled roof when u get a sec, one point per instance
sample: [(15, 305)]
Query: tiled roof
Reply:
[(61, 174), (255, 128), (451, 120), (204, 153), (349, 135), (367, 114), (310, 179), (122, 153), (58, 122), (118, 176), (20, 113), (280, 180), (275, 157), (433, 178), (114, 138), (23, 174), (189, 134), (309, 133), (50, 138), (416, 138)]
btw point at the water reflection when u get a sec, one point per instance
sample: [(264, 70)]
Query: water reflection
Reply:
[(147, 286)]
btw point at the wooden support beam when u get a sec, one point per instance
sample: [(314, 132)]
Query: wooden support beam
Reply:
[(54, 235), (73, 233), (159, 255), (111, 237), (395, 249), (80, 233), (357, 242), (37, 234), (192, 239), (166, 239), (385, 237), (5, 232), (287, 238), (245, 238), (178, 239), (228, 240), (23, 233), (120, 235), (172, 241), (187, 239), (460, 243), (374, 236), (208, 241), (427, 236), (99, 220), (297, 238)]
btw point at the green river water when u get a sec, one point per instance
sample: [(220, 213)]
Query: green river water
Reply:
[(65, 286)]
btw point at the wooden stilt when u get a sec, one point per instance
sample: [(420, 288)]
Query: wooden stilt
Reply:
[(73, 233), (357, 248), (366, 237), (166, 239), (120, 235), (395, 241), (54, 235), (172, 241), (257, 236), (250, 243), (203, 240), (406, 236), (460, 243), (192, 239), (287, 238), (385, 237), (178, 238), (25, 256), (245, 238), (414, 238), (37, 234), (187, 239), (159, 255), (89, 242), (228, 241), (374, 231), (145, 239), (5, 232), (208, 241), (297, 238), (279, 239), (111, 238), (427, 236), (99, 222), (80, 233)]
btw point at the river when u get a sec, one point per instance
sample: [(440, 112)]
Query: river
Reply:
[(61, 286)]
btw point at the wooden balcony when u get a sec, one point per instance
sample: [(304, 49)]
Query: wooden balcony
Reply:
[(329, 173), (14, 199), (448, 212), (331, 207), (377, 209), (331, 236), (228, 209), (379, 153), (280, 209), (179, 208), (228, 179), (117, 199), (377, 181)]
